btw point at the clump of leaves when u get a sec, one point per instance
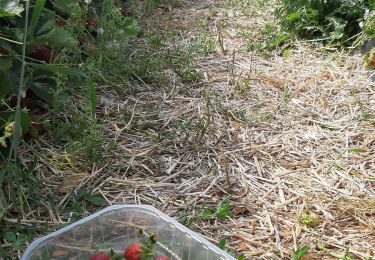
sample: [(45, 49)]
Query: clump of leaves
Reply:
[(271, 37), (310, 220), (222, 211), (337, 21)]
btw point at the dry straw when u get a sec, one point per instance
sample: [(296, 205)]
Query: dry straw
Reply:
[(284, 137)]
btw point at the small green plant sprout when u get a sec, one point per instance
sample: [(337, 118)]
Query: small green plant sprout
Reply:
[(222, 211), (310, 220), (286, 94), (222, 245), (346, 256), (241, 257), (301, 252), (203, 43)]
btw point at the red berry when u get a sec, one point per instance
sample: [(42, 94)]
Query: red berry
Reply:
[(41, 52), (133, 252), (92, 22), (100, 256), (81, 40), (162, 258)]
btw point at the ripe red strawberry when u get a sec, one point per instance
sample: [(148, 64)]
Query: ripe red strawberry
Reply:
[(133, 252), (92, 24), (162, 258), (100, 256), (41, 52)]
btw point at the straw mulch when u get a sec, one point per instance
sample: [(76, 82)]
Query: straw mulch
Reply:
[(283, 137)]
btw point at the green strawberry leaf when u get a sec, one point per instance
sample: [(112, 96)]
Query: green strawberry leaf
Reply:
[(10, 236), (62, 69), (58, 38), (5, 83), (64, 6), (223, 210)]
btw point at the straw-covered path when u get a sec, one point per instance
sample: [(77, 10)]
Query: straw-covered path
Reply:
[(289, 139)]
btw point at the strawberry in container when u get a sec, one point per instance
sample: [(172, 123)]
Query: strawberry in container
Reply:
[(130, 232)]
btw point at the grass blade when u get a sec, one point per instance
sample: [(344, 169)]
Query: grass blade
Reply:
[(36, 14), (92, 96), (18, 123)]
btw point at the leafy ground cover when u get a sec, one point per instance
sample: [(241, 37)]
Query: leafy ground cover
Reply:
[(267, 152), (337, 21)]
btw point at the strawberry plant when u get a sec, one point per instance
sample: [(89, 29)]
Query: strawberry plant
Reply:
[(45, 39), (336, 21), (41, 44)]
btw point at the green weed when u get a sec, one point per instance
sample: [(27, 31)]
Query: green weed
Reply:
[(301, 252), (204, 42), (336, 21), (243, 85), (270, 37), (182, 63), (61, 49), (222, 211), (222, 245)]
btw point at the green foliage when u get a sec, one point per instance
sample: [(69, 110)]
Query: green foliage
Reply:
[(300, 252), (181, 62), (222, 210), (271, 37), (42, 38), (222, 245), (241, 257), (337, 21), (204, 42), (92, 97), (39, 57)]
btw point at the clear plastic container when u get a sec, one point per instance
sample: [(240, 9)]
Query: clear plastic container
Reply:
[(118, 226)]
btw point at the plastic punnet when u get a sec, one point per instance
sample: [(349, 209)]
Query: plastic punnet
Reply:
[(118, 226)]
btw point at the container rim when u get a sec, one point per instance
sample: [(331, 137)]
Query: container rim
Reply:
[(39, 241)]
